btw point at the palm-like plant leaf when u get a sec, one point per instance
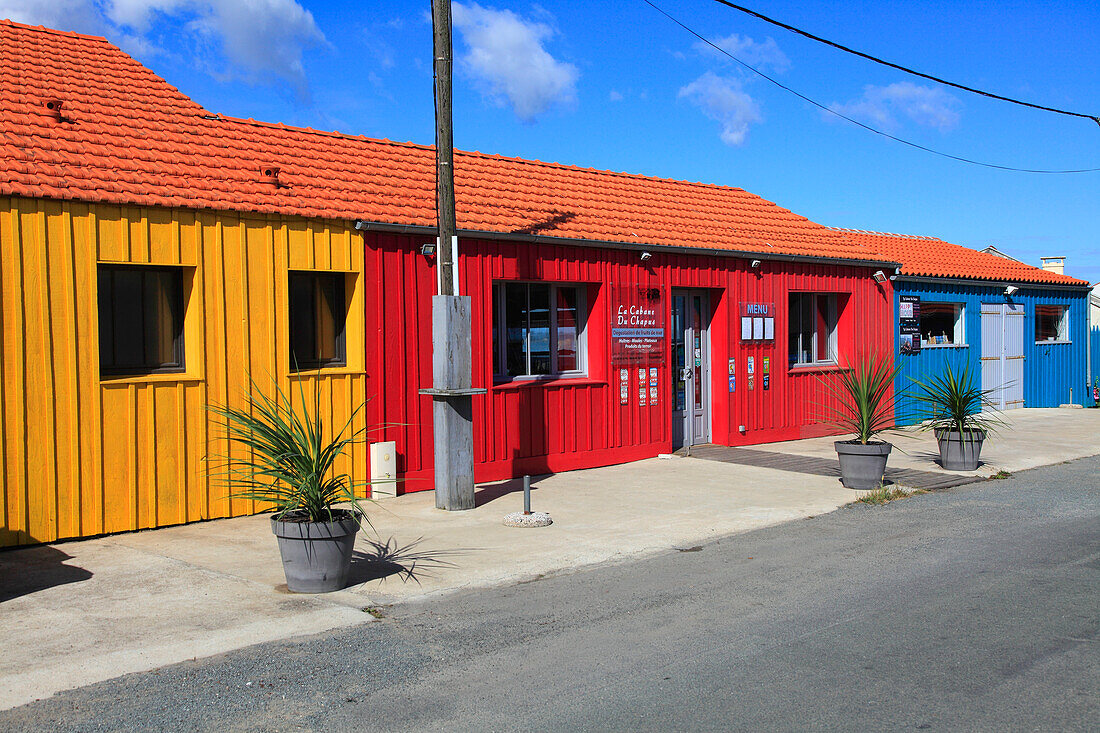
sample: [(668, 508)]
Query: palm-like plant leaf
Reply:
[(864, 396), (289, 462), (954, 400)]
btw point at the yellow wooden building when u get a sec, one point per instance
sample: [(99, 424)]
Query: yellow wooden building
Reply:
[(87, 453)]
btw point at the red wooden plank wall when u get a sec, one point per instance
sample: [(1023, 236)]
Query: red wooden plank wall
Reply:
[(540, 427)]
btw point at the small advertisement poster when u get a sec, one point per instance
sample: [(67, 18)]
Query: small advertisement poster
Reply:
[(909, 323), (733, 383), (752, 383), (637, 325), (641, 377), (767, 372), (653, 376), (624, 394), (757, 321), (752, 365), (641, 396), (653, 396)]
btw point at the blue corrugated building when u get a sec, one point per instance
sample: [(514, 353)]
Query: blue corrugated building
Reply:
[(1024, 329)]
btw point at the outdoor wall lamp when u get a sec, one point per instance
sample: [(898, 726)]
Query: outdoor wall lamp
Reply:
[(1011, 290), (755, 264), (880, 276), (646, 256), (427, 249)]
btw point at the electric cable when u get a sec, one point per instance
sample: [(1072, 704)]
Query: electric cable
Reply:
[(899, 67), (857, 122)]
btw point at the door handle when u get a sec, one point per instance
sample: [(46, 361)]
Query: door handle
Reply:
[(686, 373)]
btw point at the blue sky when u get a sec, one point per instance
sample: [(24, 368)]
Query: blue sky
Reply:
[(617, 86)]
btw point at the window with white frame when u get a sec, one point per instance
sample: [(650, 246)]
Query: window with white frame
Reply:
[(812, 319), (942, 324), (1051, 323), (538, 330)]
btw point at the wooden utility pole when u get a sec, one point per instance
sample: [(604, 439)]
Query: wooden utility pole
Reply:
[(452, 372), (444, 145)]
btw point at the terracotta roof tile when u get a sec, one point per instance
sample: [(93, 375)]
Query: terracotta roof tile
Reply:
[(132, 138), (931, 257)]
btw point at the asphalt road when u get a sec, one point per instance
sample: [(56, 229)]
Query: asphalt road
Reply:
[(968, 609)]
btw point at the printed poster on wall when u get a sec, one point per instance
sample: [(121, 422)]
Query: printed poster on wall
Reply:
[(909, 323), (637, 325)]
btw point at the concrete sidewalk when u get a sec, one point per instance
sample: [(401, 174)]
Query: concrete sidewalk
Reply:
[(79, 612)]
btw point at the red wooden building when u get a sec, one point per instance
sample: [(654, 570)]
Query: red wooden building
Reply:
[(615, 317)]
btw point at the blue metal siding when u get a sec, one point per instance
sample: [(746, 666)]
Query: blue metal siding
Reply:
[(1094, 339), (1050, 370)]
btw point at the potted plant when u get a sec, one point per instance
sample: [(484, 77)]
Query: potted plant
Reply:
[(863, 403), (954, 404), (289, 462)]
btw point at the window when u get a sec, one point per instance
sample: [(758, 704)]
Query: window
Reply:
[(538, 330), (812, 332), (942, 324), (1051, 323), (317, 315), (140, 319)]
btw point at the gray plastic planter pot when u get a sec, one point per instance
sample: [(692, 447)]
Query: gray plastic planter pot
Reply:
[(316, 555), (862, 466), (960, 451)]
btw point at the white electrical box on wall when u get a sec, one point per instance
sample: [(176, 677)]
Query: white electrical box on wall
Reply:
[(383, 469)]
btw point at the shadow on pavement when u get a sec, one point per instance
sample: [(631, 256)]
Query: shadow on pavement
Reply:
[(387, 558), (27, 571)]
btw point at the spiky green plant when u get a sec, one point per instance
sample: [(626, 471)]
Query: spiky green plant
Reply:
[(955, 401), (288, 461), (864, 396)]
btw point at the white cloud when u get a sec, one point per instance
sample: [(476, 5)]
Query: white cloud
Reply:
[(506, 59), (256, 37), (262, 36), (76, 15), (722, 98), (928, 106), (615, 96), (759, 55)]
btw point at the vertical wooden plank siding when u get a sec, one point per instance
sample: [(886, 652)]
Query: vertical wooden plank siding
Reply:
[(537, 427), (1050, 369), (84, 455)]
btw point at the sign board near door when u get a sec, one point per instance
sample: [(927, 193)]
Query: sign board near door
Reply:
[(637, 325)]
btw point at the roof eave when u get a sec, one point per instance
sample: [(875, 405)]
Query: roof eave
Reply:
[(992, 283), (364, 225)]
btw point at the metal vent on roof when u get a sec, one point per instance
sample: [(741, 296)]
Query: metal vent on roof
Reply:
[(270, 174), (53, 106)]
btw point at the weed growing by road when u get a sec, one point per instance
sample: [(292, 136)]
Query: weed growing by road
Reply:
[(884, 494)]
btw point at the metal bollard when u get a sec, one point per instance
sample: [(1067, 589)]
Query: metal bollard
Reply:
[(526, 494)]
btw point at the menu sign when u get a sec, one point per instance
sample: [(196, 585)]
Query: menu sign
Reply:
[(909, 323), (637, 326), (757, 321)]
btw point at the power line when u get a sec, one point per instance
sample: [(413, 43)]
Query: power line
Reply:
[(907, 70), (857, 122)]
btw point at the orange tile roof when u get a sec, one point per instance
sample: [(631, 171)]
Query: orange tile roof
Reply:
[(931, 257), (128, 137)]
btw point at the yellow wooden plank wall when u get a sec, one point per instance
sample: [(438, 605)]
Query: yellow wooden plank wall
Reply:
[(84, 455)]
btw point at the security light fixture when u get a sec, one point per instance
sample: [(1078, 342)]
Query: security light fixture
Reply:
[(1011, 290), (755, 264), (428, 249), (880, 276), (646, 256)]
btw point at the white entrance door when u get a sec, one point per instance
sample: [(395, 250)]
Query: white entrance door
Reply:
[(1003, 354), (690, 368)]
